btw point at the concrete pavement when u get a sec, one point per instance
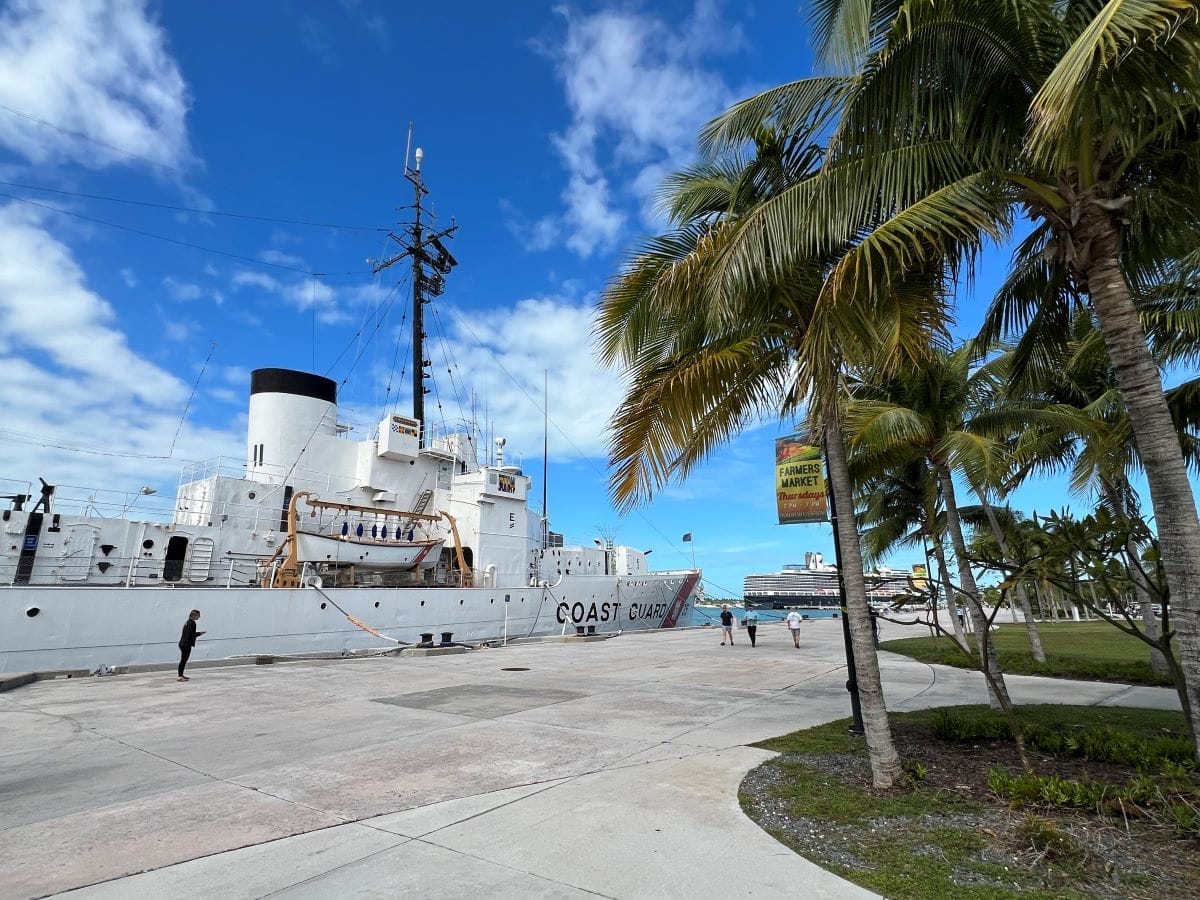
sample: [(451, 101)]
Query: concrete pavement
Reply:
[(538, 770)]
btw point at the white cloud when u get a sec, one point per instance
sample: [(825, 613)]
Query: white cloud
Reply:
[(504, 356), (281, 259), (182, 290), (332, 304), (91, 83), (638, 93), (46, 307), (255, 279), (71, 379)]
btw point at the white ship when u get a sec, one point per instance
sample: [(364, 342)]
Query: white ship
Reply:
[(815, 585), (316, 543)]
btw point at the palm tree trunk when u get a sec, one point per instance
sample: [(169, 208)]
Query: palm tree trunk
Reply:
[(939, 553), (1138, 379), (886, 769), (1035, 639), (997, 690)]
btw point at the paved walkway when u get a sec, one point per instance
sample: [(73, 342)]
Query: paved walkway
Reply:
[(540, 770)]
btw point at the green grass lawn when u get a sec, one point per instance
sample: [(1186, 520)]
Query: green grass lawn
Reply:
[(948, 838), (1089, 651)]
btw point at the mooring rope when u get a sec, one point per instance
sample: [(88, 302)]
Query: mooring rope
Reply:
[(353, 621)]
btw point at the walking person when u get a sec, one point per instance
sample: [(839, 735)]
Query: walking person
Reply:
[(793, 624), (751, 623), (726, 625), (187, 641)]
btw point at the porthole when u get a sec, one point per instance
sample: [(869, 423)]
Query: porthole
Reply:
[(422, 602), (252, 495), (322, 606), (147, 544), (460, 603), (32, 611), (377, 604)]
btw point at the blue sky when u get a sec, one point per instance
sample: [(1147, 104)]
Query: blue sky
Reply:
[(546, 129)]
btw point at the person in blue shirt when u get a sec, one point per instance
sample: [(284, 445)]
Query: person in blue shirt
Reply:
[(751, 622)]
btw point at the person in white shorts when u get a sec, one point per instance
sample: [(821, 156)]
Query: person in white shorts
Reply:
[(793, 624)]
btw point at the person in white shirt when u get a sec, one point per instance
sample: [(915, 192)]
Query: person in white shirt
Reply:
[(793, 624)]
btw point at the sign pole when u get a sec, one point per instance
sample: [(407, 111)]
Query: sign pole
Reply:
[(856, 724)]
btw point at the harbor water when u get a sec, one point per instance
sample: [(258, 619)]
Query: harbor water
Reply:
[(711, 615)]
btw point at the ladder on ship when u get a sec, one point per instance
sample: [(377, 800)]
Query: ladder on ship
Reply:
[(419, 507)]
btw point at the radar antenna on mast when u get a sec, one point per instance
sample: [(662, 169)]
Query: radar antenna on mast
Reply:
[(431, 263)]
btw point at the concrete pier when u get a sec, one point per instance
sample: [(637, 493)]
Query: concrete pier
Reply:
[(543, 769)]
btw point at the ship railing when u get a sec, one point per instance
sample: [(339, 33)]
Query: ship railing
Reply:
[(136, 571), (300, 477), (266, 573), (106, 503)]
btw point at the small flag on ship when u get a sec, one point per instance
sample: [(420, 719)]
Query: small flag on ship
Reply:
[(687, 537)]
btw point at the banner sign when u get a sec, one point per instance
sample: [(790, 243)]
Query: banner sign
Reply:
[(799, 480), (920, 577)]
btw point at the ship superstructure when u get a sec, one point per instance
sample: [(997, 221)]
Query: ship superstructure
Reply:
[(815, 585)]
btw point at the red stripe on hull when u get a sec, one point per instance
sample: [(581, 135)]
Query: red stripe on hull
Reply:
[(680, 602)]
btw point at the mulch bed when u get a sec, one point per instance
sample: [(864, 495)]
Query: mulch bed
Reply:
[(1122, 857)]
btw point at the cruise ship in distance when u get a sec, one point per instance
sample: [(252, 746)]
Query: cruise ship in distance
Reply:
[(814, 585)]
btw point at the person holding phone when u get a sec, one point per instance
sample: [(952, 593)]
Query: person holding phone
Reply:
[(187, 641)]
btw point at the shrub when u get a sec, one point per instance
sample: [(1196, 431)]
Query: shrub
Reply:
[(1106, 744), (1049, 840), (959, 728), (1183, 814)]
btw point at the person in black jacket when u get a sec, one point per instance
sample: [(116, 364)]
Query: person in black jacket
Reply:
[(187, 641), (726, 625)]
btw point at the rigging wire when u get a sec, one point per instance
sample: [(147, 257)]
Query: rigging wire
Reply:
[(538, 406), (188, 404), (366, 320), (448, 358), (377, 325), (189, 209), (37, 440), (160, 237), (97, 141)]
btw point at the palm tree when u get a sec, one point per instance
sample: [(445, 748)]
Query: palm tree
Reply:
[(1081, 114), (927, 411), (1092, 435), (897, 507), (708, 352)]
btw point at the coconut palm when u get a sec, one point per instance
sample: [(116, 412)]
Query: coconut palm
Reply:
[(927, 411), (897, 508), (708, 352), (962, 114), (1092, 437)]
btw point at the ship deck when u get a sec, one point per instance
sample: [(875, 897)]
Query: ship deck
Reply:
[(564, 769)]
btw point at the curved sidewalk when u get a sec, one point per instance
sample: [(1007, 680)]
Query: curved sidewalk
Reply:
[(539, 770)]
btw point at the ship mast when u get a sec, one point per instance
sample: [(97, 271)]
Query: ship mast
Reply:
[(431, 262)]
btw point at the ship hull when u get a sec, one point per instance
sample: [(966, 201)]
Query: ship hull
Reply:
[(77, 629)]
